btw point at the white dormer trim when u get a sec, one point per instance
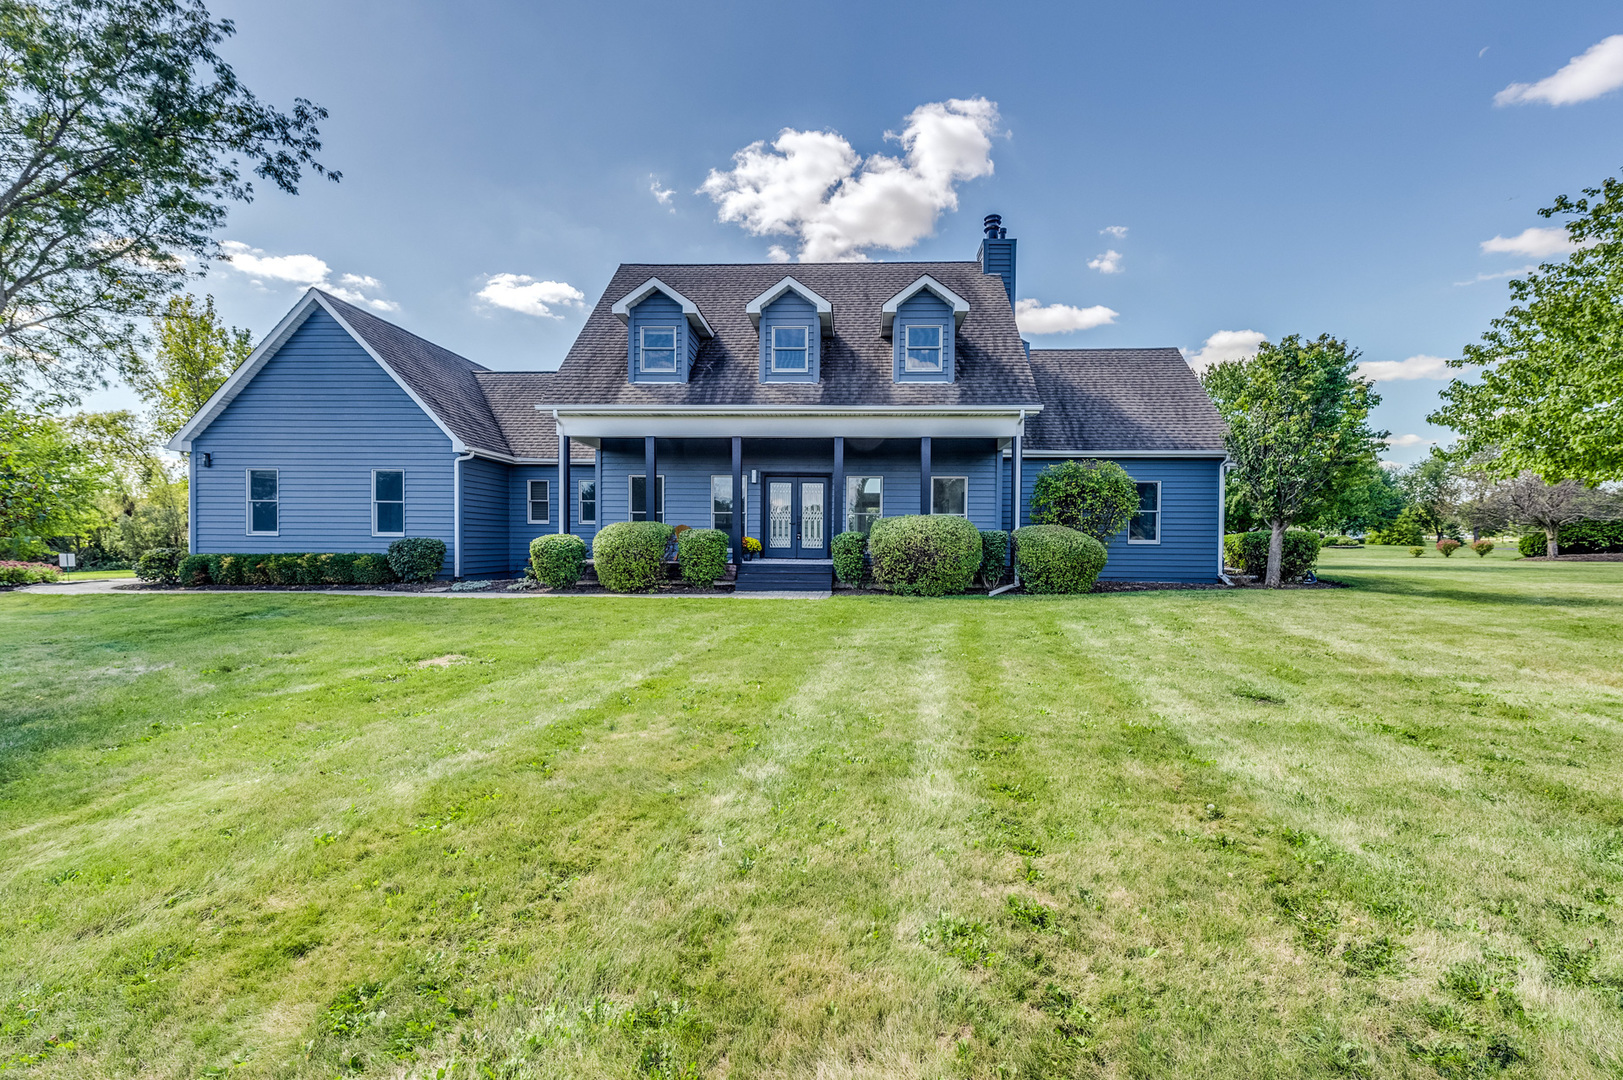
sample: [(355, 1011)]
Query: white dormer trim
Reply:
[(825, 310), (622, 307), (887, 314)]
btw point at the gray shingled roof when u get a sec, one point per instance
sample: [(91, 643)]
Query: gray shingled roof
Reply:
[(1120, 399), (856, 365), (530, 432)]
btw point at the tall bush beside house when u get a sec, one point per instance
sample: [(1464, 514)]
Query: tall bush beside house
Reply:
[(1056, 559), (1249, 552), (848, 550), (417, 558), (994, 556), (925, 554), (1097, 498), (701, 556), (628, 555), (192, 571), (558, 559)]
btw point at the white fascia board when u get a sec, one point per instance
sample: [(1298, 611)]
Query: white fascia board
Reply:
[(622, 307), (182, 441), (887, 314), (825, 310), (778, 422)]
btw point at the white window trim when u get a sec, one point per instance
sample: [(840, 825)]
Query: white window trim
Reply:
[(659, 494), (248, 501), (772, 346), (375, 532), (937, 476), (529, 502), (1159, 531), (676, 351), (940, 348), (580, 502), (744, 497), (849, 512)]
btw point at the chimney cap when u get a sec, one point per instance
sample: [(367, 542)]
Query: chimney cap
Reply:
[(992, 225)]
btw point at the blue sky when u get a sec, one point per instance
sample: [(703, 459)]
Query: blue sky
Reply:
[(1273, 168)]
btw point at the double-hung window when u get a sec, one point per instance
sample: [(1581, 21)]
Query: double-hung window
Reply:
[(791, 350), (388, 502), (540, 501), (721, 502), (864, 502), (264, 502), (639, 497), (587, 514), (923, 350), (949, 495), (1145, 528), (656, 350)]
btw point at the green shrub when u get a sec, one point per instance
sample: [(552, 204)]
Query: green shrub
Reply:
[(850, 565), (1056, 559), (17, 572), (338, 569), (924, 554), (628, 555), (1589, 537), (193, 570), (416, 558), (701, 555), (372, 569), (1408, 529), (255, 570), (1249, 552), (1097, 498), (1417, 551), (1448, 547), (994, 556), (558, 559), (1338, 541), (312, 569), (225, 569), (1533, 545), (159, 566), (1482, 547), (24, 549), (285, 569)]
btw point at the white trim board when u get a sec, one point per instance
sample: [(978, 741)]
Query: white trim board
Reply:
[(622, 307), (825, 310), (887, 313)]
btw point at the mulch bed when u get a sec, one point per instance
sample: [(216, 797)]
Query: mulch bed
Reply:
[(1610, 556)]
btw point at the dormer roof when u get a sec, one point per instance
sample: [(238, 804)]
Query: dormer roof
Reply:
[(622, 307), (960, 306), (825, 310)]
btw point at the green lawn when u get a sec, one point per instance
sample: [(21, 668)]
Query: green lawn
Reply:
[(95, 575), (1367, 832)]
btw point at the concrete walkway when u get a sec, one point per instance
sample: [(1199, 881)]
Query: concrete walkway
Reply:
[(109, 587)]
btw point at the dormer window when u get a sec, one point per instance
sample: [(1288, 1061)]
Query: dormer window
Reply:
[(923, 349), (656, 352), (790, 353)]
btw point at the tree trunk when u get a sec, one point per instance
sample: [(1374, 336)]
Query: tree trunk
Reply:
[(1552, 546), (1276, 554), (1476, 534)]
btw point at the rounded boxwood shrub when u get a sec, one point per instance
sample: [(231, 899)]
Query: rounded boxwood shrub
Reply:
[(372, 569), (994, 556), (1097, 498), (193, 570), (850, 564), (557, 559), (1533, 545), (1249, 552), (701, 555), (1057, 559), (225, 569), (416, 558), (627, 555), (925, 554), (159, 566)]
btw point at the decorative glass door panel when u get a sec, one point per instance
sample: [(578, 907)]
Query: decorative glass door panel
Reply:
[(780, 505), (811, 515)]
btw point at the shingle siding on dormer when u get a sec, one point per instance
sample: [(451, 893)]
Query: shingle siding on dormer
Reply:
[(791, 309)]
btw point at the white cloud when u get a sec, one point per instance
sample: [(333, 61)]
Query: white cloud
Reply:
[(1223, 346), (1415, 367), (812, 185), (1408, 440), (1598, 71), (777, 253), (1528, 269), (1033, 317), (1118, 231), (524, 294), (1108, 263), (1534, 243), (661, 195), (306, 270)]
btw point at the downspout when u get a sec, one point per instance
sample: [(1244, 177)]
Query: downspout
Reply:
[(191, 503), (456, 514), (1222, 517)]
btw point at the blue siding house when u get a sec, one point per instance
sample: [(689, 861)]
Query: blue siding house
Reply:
[(786, 403)]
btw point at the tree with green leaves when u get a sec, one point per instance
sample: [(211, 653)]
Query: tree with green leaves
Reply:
[(1297, 417), (1549, 396), (1096, 498), (48, 482), (1365, 498), (1433, 489), (124, 138), (195, 353)]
